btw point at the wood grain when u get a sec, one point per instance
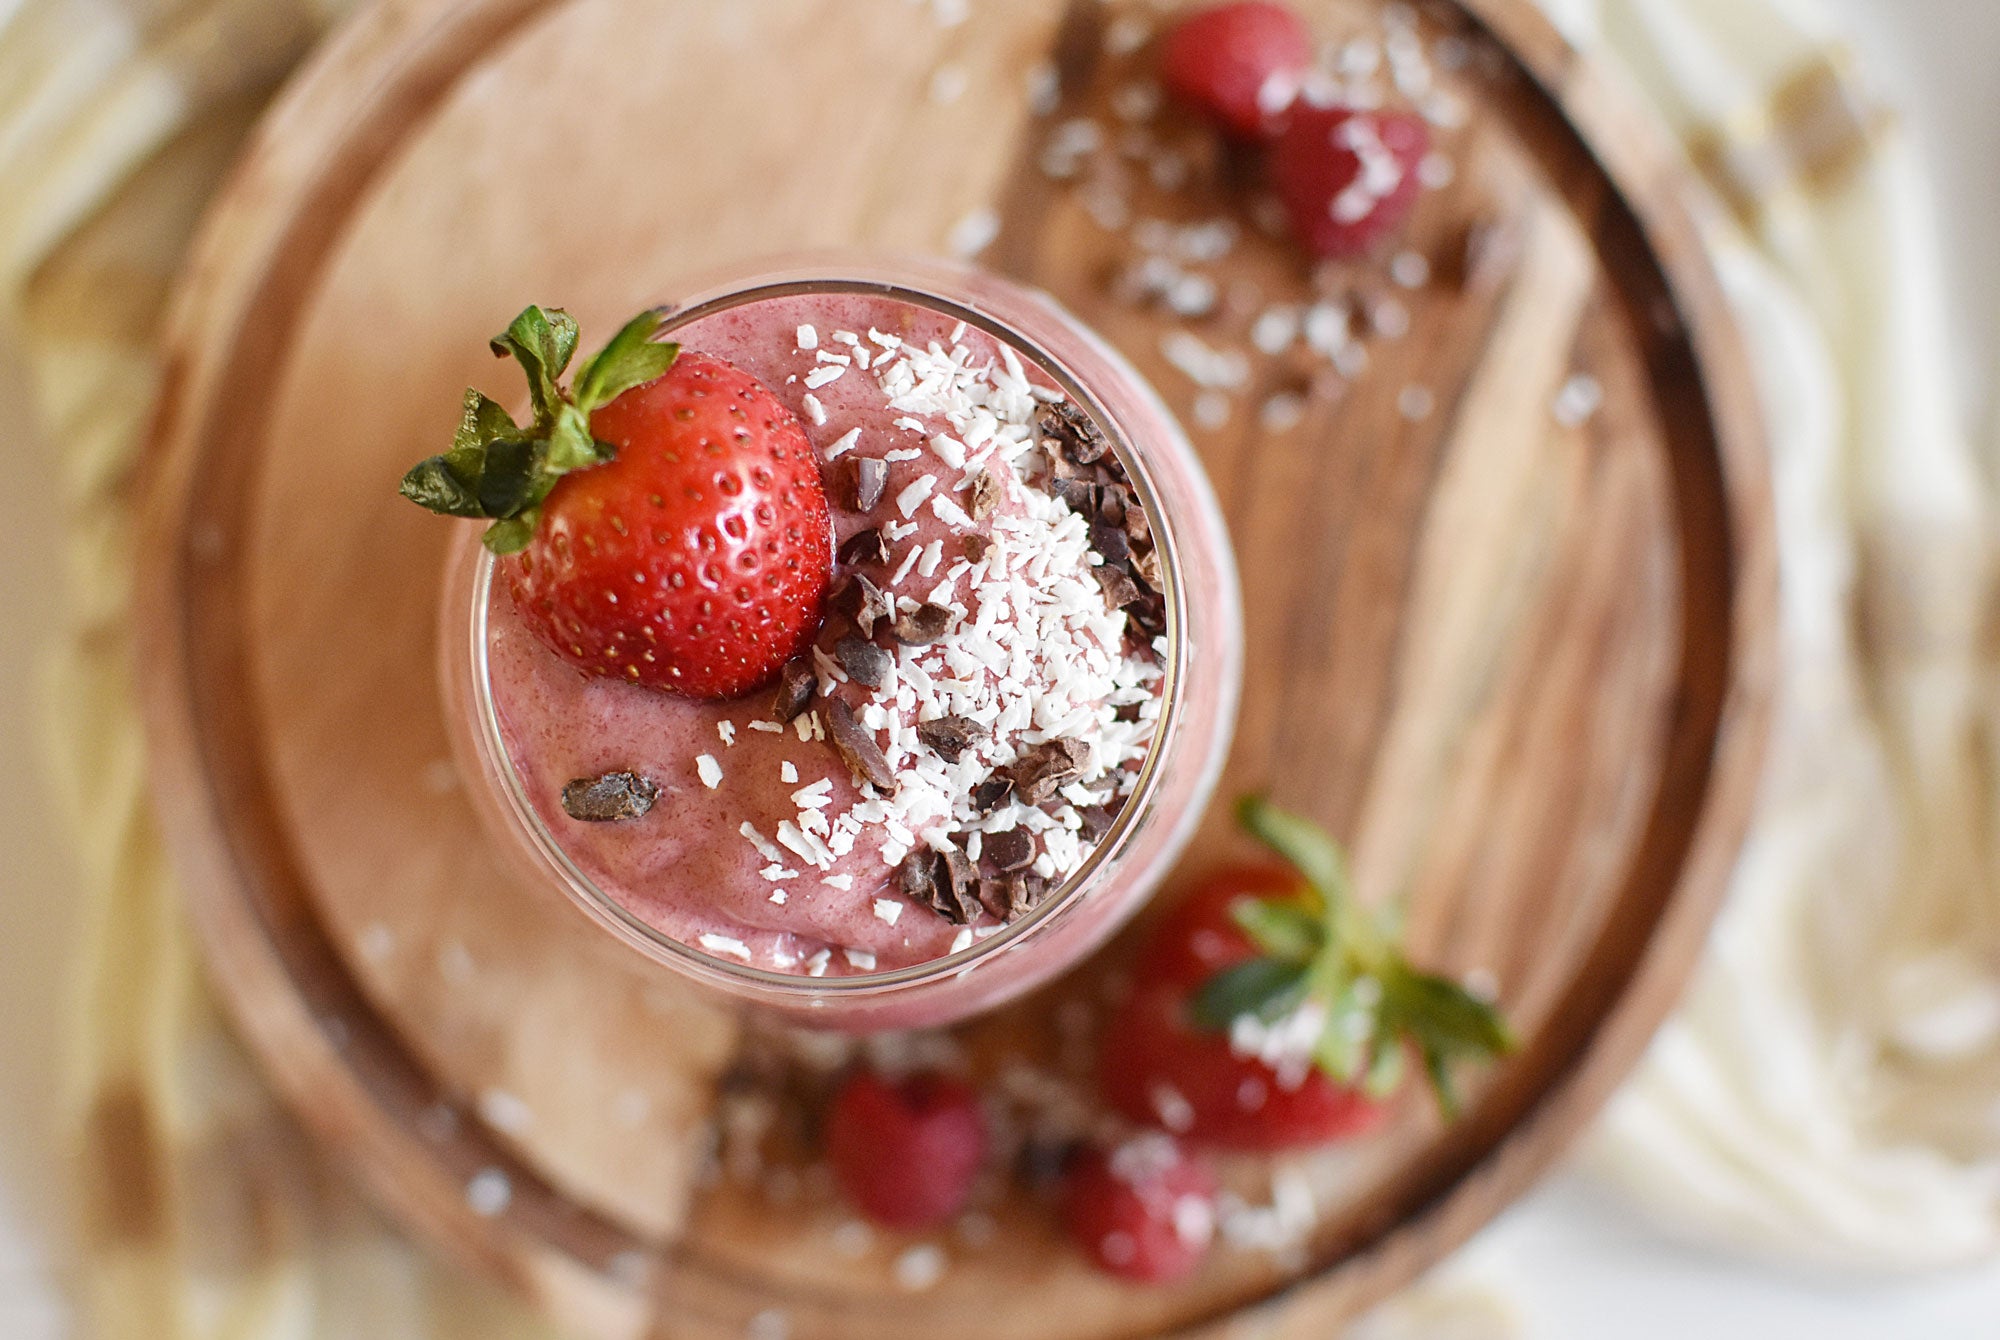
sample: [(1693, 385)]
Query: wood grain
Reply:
[(1518, 663)]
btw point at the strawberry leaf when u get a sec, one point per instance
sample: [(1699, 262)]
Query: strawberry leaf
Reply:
[(542, 341), (1445, 1022), (1300, 841), (437, 485), (1438, 1071), (571, 447), (1322, 945), (1353, 1025), (504, 471), (1385, 1072), (512, 535), (630, 359), (1262, 987), (1280, 930), (1439, 1012), (507, 476), (480, 422)]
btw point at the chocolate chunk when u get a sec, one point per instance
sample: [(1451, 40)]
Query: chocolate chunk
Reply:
[(1062, 467), (923, 625), (1096, 821), (1012, 896), (1025, 892), (611, 798), (863, 602), (1044, 1160), (1009, 851), (977, 547), (862, 483), (866, 663), (1080, 495), (865, 546), (989, 793), (856, 744), (1146, 567), (1111, 504), (1138, 529), (985, 496), (993, 897), (920, 879), (1111, 542), (1073, 430), (948, 736), (795, 688), (959, 882), (933, 880), (1117, 584), (1149, 612), (1046, 769)]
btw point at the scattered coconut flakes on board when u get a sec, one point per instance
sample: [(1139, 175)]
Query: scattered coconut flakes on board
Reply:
[(1580, 398), (920, 1267), (489, 1192), (973, 233), (1393, 65)]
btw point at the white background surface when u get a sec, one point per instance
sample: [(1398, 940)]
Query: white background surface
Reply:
[(1581, 1266)]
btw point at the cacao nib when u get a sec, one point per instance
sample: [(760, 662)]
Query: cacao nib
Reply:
[(612, 797), (856, 744), (796, 685)]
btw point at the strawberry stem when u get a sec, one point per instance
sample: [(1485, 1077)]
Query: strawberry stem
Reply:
[(1322, 948), (502, 470)]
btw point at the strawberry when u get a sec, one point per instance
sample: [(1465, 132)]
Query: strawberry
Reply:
[(1348, 178), (1241, 64), (1144, 1210), (1160, 1067), (906, 1152), (1273, 1012), (663, 519)]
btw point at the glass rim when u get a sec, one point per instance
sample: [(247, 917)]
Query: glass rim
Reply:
[(895, 282)]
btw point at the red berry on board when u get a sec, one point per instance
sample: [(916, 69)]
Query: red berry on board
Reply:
[(1198, 938), (1241, 64), (1348, 179), (697, 559), (1274, 1011), (1144, 1210), (907, 1151), (1160, 1069)]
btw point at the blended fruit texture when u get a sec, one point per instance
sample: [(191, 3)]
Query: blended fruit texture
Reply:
[(973, 714)]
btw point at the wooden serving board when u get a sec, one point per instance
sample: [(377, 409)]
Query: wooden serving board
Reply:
[(1510, 643)]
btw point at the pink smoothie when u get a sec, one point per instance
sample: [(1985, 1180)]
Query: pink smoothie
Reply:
[(764, 847)]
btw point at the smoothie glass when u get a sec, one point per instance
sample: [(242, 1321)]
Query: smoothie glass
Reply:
[(1202, 677)]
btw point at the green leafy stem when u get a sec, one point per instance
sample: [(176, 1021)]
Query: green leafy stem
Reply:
[(1321, 947), (503, 470)]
